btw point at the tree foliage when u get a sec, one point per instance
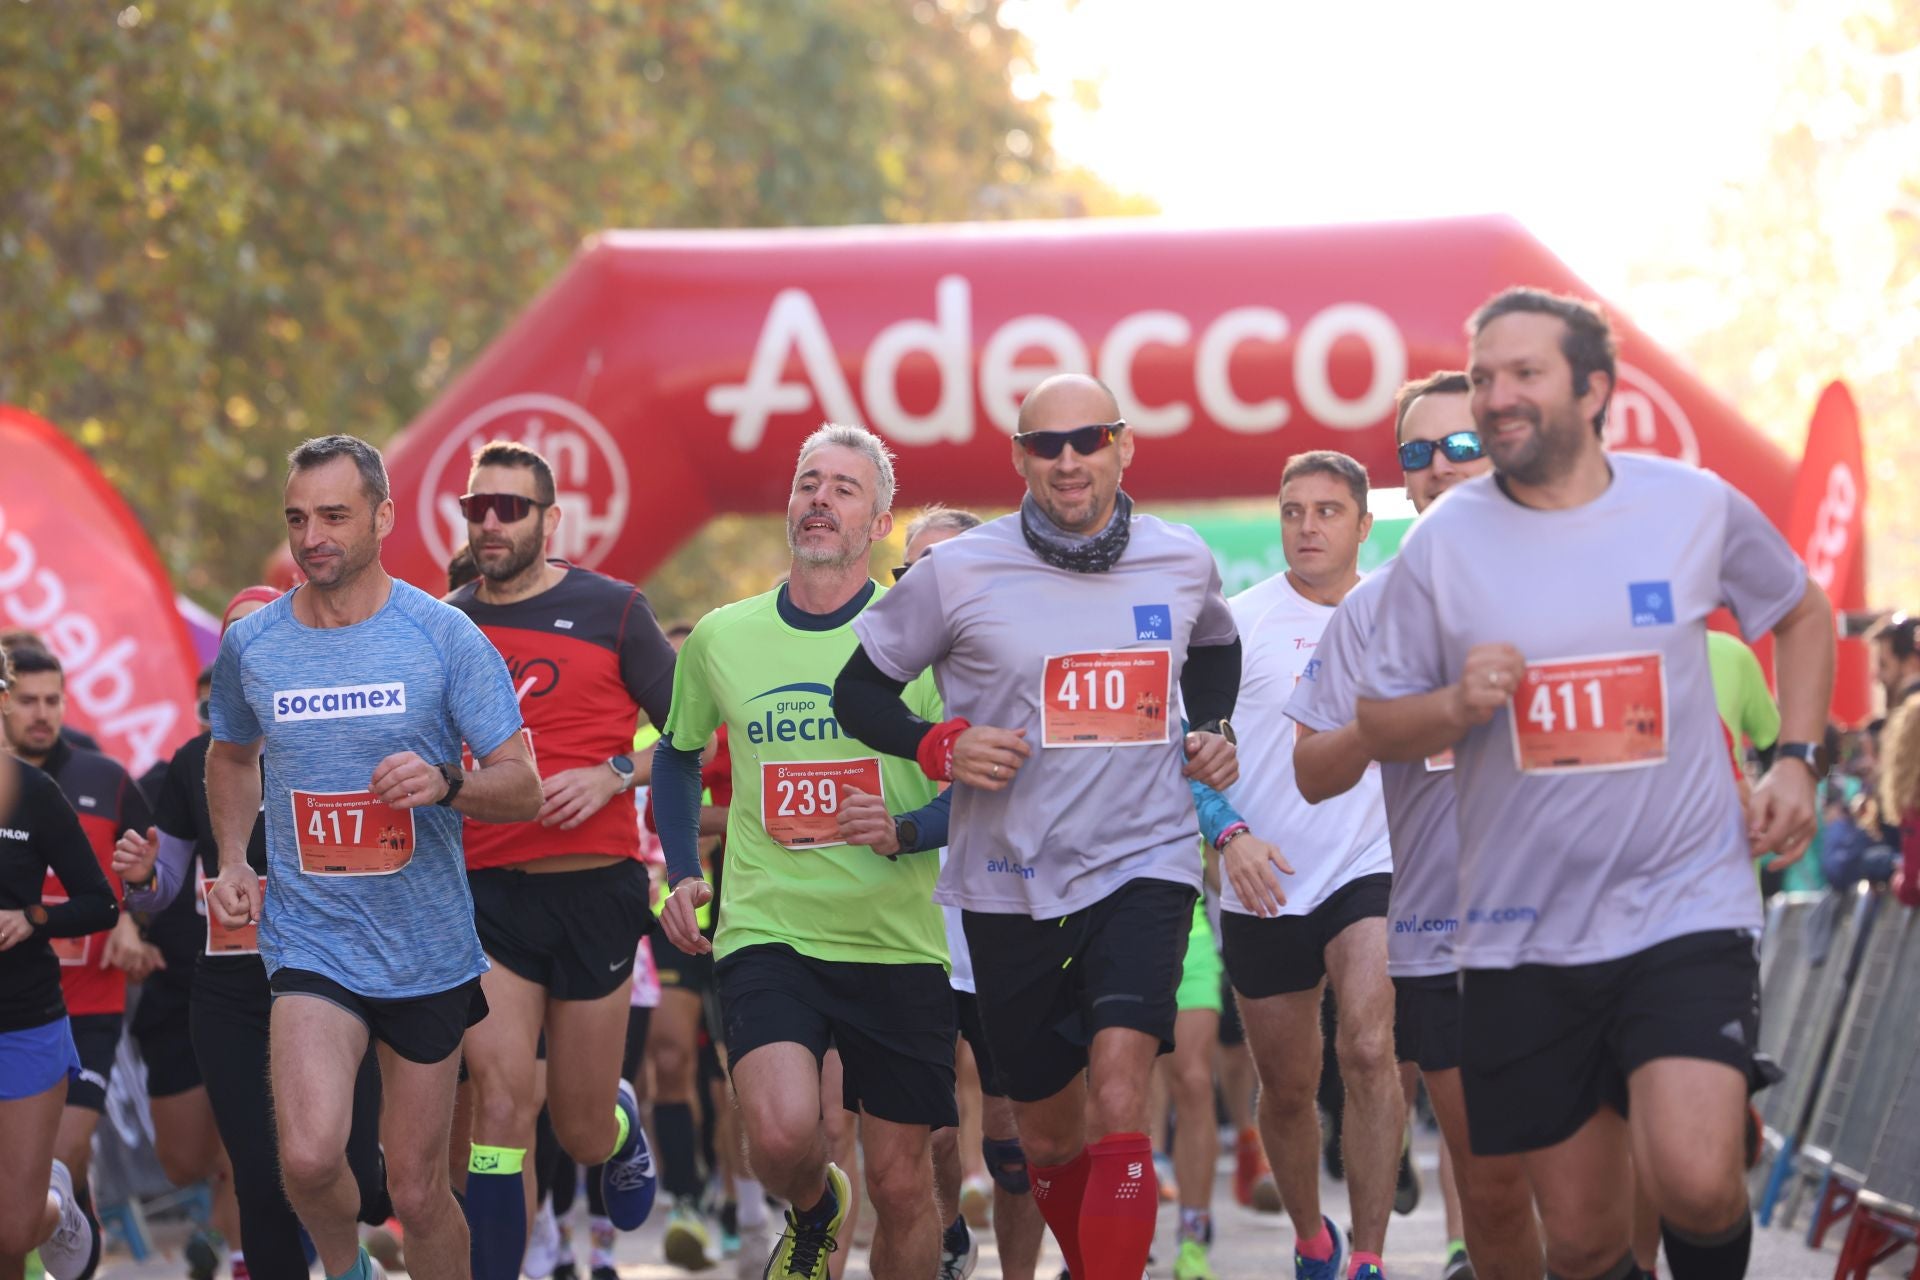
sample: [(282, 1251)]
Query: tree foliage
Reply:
[(1815, 267), (226, 224)]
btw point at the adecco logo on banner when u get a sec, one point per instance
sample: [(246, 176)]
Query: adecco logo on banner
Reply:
[(1643, 418), (793, 330), (589, 474)]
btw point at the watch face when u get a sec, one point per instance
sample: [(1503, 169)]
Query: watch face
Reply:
[(622, 766)]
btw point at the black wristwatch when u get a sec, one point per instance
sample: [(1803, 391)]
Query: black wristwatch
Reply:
[(1811, 754), (1223, 727), (455, 780), (907, 832), (36, 915)]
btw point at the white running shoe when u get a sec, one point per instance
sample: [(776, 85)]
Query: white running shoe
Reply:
[(543, 1243), (72, 1248)]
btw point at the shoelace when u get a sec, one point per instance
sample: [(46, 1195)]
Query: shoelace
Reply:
[(808, 1244), (630, 1175)]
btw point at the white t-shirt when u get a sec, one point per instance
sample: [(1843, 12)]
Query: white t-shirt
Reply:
[(1329, 844)]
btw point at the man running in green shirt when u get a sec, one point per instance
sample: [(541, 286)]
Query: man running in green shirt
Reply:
[(819, 942)]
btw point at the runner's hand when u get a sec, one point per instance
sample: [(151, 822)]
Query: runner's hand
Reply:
[(1213, 760), (134, 855), (128, 952), (1492, 675), (679, 920), (1782, 813), (574, 795), (14, 928), (234, 898), (405, 781), (1249, 863), (987, 758), (864, 820)]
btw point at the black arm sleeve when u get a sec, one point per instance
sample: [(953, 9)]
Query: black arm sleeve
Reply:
[(646, 660), (58, 838), (867, 702), (1210, 682)]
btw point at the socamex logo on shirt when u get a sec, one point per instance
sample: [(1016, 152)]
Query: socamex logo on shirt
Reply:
[(1152, 622), (340, 702), (1652, 603)]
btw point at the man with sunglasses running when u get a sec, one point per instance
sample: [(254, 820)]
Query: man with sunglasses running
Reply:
[(1282, 946), (1073, 829), (561, 902), (1439, 448)]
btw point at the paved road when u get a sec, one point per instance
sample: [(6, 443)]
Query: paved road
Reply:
[(1250, 1246)]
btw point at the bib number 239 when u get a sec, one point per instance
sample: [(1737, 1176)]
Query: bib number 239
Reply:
[(800, 801), (1109, 698), (350, 833)]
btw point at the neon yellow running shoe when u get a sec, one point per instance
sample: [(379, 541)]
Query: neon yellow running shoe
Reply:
[(803, 1250), (1193, 1262)]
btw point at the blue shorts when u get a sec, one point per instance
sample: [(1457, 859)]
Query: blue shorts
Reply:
[(35, 1060)]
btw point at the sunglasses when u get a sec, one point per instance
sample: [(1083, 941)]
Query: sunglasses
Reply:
[(1085, 440), (899, 572), (1461, 446), (510, 507)]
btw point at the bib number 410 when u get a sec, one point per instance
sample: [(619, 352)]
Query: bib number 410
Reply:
[(1106, 690)]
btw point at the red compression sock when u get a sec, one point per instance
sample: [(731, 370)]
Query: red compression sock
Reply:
[(1117, 1212), (1058, 1190)]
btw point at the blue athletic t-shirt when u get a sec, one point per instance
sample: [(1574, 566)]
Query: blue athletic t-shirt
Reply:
[(332, 703)]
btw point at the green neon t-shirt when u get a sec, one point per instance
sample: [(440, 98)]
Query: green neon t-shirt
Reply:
[(789, 880), (1740, 691)]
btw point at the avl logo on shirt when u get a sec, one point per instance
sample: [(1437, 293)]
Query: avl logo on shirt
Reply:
[(340, 702), (1152, 622), (1652, 603)]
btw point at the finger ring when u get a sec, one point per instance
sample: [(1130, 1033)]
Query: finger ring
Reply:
[(996, 771), (1493, 677)]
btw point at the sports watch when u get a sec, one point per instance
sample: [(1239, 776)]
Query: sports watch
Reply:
[(36, 916), (1811, 754), (1223, 727), (907, 832), (622, 767), (454, 780)]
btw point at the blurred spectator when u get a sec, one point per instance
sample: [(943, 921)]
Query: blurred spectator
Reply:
[(18, 638), (1899, 790), (1896, 663)]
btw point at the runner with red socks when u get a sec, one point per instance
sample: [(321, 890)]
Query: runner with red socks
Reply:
[(1061, 636)]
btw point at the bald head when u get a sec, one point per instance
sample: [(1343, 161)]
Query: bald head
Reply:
[(1066, 401)]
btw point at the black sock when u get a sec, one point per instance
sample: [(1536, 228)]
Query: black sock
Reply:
[(1717, 1257), (821, 1214), (679, 1172), (957, 1237)]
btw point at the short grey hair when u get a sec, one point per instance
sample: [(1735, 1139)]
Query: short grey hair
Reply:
[(863, 442), (939, 517), (321, 450)]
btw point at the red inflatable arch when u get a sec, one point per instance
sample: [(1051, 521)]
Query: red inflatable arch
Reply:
[(670, 376)]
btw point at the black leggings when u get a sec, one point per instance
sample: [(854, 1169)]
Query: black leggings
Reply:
[(228, 1018)]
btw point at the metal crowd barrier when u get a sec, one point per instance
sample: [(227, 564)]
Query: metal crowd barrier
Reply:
[(1879, 1035), (1886, 1216)]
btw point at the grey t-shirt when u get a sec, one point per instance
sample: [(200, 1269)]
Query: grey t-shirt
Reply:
[(1004, 633), (1423, 913), (1626, 830)]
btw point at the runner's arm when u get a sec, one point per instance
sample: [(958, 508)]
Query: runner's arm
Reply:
[(868, 703), (1217, 814), (503, 787), (171, 870), (931, 820), (1210, 682), (1411, 728), (676, 808), (233, 797), (1328, 764), (90, 906)]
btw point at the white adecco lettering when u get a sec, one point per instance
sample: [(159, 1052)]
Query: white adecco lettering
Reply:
[(793, 330), (99, 680), (340, 702), (1643, 418), (1832, 526), (589, 474)]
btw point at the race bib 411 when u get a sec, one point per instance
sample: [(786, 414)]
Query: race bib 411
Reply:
[(1589, 714)]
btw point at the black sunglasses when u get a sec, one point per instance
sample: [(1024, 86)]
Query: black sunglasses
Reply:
[(1460, 446), (1085, 440), (510, 507), (900, 571)]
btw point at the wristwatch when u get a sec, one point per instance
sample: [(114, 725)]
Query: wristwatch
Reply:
[(622, 767), (1811, 754), (36, 916), (455, 780), (1223, 727), (907, 832)]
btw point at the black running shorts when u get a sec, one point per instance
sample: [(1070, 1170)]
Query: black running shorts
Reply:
[(424, 1029), (1279, 955), (1426, 1021), (572, 932)]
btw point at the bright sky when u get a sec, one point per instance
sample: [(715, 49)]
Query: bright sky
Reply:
[(1606, 129)]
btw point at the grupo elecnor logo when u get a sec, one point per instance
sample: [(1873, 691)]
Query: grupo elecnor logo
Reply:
[(589, 474), (1644, 418)]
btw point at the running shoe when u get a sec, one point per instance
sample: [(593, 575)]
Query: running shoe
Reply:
[(960, 1265), (1458, 1268), (687, 1244), (1368, 1271), (202, 1255), (628, 1184), (74, 1248), (543, 1244), (803, 1249), (1331, 1269), (1406, 1192), (604, 1272), (729, 1229), (565, 1270), (1192, 1262), (976, 1202)]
